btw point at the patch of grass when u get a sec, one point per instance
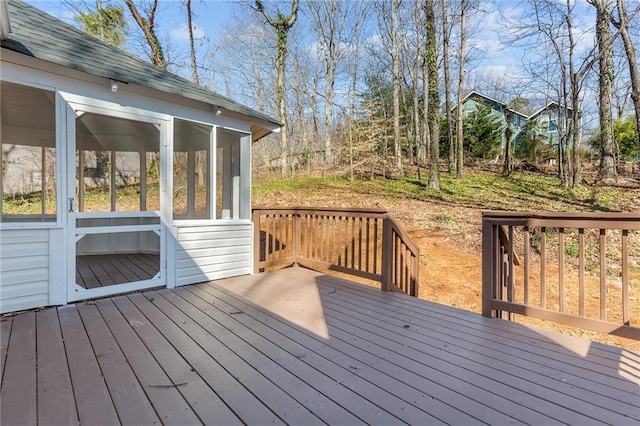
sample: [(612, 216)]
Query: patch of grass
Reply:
[(477, 189), (571, 249), (443, 218)]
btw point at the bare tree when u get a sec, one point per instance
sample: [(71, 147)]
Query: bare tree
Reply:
[(395, 56), (147, 25), (605, 87), (281, 24), (329, 19), (412, 52), (192, 49), (433, 107), (462, 58), (622, 24), (446, 34)]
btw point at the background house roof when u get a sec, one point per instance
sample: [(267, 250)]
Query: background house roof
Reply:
[(502, 105), (42, 36)]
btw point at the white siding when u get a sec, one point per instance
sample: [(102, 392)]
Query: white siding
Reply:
[(212, 252), (24, 268)]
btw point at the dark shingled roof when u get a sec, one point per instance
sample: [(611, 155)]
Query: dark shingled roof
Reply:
[(37, 34)]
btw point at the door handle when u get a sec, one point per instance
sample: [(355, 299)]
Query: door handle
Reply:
[(72, 205)]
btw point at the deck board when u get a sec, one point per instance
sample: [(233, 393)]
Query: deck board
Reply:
[(298, 347), (522, 347), (94, 271), (164, 394), (56, 403), (18, 397), (499, 377), (290, 359), (396, 398), (127, 394), (195, 325), (93, 401), (241, 401), (281, 375), (204, 401)]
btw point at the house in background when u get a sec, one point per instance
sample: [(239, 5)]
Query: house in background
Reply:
[(502, 112), (550, 117), (551, 121), (116, 175)]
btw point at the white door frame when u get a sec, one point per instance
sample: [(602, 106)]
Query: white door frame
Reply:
[(74, 291)]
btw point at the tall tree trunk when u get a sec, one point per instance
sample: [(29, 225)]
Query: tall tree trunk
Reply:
[(575, 120), (623, 26), (282, 24), (433, 115), (192, 48), (147, 25), (447, 87), (508, 136), (461, 63), (395, 56), (605, 86)]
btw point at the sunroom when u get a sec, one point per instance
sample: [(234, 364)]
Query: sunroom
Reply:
[(116, 176)]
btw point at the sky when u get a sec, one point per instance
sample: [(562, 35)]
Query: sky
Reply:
[(211, 18)]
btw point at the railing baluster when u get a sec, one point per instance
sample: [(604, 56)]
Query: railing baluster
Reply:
[(346, 242), (625, 277), (367, 247), (561, 269), (360, 244), (526, 265), (581, 270), (353, 243), (375, 245), (603, 275), (543, 267), (511, 283)]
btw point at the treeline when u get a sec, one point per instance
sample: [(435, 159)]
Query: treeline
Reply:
[(375, 87)]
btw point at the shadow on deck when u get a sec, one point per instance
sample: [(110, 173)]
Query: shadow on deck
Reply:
[(299, 347)]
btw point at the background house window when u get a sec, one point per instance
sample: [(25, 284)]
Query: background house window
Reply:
[(192, 170), (28, 172)]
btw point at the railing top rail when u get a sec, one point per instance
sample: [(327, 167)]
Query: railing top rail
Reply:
[(406, 238), (562, 215), (629, 221), (339, 210)]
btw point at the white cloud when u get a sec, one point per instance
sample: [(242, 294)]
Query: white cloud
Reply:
[(182, 33)]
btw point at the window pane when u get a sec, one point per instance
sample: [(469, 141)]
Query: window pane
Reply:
[(229, 175), (28, 173), (118, 160), (191, 170)]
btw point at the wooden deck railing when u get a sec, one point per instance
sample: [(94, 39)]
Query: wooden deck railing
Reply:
[(572, 268), (367, 243)]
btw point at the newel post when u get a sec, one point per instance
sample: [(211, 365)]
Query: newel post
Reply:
[(387, 253), (488, 262)]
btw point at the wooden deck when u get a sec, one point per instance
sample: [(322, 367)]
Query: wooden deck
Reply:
[(110, 269), (302, 348)]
